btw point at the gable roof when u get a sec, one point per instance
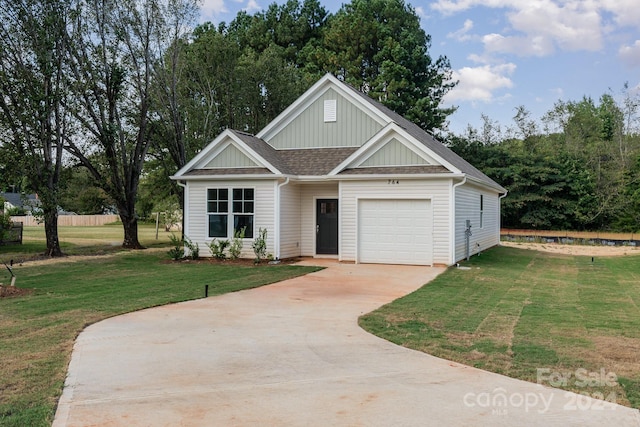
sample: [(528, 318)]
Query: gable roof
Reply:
[(428, 140), (336, 161)]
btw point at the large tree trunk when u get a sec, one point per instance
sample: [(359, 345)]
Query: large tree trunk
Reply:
[(51, 233), (130, 226)]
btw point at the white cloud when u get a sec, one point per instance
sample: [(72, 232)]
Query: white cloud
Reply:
[(463, 33), (540, 27), (421, 12), (480, 83), (252, 6), (630, 55), (212, 8)]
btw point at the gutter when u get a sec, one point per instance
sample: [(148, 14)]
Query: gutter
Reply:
[(452, 216)]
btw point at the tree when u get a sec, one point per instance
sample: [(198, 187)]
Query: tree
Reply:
[(113, 50), (379, 47), (34, 121)]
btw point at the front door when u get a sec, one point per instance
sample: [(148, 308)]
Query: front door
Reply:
[(327, 227)]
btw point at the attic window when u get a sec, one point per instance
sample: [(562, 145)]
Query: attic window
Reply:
[(330, 108)]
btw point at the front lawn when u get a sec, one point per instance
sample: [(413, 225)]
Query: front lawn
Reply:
[(37, 331), (555, 319)]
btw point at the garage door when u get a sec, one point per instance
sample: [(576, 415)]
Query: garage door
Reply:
[(395, 231)]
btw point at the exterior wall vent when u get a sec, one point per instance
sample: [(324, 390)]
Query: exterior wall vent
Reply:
[(330, 110)]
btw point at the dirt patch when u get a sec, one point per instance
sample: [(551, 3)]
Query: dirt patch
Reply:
[(13, 291), (580, 250), (620, 353)]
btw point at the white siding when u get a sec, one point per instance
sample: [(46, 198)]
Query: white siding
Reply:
[(468, 208), (196, 212), (309, 193), (437, 190), (290, 221)]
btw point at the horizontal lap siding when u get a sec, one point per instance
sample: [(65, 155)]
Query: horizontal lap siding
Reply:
[(468, 207), (290, 221), (435, 190), (197, 227), (308, 194)]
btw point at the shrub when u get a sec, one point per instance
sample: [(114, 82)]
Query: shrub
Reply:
[(217, 248), (177, 251), (235, 249), (194, 249), (259, 245)]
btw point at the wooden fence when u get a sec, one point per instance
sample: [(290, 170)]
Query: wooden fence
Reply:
[(69, 220), (600, 237)]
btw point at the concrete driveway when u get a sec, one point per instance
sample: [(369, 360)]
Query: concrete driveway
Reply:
[(292, 354)]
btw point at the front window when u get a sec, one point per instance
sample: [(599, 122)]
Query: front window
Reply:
[(243, 211), (240, 208), (217, 209)]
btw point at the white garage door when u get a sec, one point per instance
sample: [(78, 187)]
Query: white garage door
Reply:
[(395, 232)]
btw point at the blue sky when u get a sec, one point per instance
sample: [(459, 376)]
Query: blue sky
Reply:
[(508, 53)]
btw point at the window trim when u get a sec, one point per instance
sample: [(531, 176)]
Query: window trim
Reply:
[(230, 213)]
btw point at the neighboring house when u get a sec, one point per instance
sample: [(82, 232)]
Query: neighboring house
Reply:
[(339, 175), (28, 202)]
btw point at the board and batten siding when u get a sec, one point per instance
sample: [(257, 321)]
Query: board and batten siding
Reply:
[(197, 212), (290, 221), (467, 207), (352, 127), (309, 193), (231, 157), (437, 190), (394, 153)]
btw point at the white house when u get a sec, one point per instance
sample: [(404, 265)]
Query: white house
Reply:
[(339, 175)]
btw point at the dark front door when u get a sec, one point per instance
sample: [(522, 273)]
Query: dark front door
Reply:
[(327, 227)]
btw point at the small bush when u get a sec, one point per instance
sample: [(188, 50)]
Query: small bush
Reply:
[(194, 249), (235, 249), (177, 251), (217, 248), (259, 245)]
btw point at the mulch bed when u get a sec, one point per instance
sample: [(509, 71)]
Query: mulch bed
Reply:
[(247, 262), (13, 291)]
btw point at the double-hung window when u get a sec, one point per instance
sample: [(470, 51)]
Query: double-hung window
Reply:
[(229, 211), (481, 210), (243, 211), (218, 211)]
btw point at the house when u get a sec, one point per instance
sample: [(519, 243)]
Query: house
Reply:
[(339, 175), (25, 203)]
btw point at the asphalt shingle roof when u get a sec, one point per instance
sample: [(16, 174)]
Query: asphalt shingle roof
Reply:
[(321, 161)]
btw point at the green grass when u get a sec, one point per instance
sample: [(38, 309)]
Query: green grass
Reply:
[(81, 241), (519, 310), (37, 331)]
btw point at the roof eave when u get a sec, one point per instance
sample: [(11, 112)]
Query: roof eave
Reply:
[(225, 177)]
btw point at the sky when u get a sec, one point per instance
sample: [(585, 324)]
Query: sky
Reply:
[(511, 53)]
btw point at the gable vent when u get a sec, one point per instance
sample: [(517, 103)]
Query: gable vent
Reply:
[(330, 107)]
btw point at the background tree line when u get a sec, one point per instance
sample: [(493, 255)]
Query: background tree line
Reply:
[(577, 169)]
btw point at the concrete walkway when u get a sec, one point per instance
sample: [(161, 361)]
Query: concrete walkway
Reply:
[(292, 354)]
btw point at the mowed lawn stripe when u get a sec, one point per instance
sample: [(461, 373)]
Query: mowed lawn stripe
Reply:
[(516, 311)]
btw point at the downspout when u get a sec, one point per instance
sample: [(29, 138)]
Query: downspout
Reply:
[(184, 203), (500, 214), (452, 216), (276, 238)]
